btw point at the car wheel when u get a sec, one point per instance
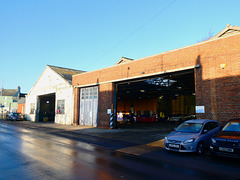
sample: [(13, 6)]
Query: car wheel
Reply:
[(200, 148)]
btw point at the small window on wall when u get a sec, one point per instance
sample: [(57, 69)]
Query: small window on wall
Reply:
[(61, 106), (32, 108)]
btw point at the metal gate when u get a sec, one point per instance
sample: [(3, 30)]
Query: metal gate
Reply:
[(88, 106)]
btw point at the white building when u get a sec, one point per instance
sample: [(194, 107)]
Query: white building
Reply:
[(51, 98)]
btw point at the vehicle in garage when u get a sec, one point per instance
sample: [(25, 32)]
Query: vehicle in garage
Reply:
[(227, 142), (169, 97), (192, 136)]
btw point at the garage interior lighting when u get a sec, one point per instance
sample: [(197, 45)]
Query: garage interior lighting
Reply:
[(161, 82)]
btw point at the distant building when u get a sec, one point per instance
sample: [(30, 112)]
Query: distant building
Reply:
[(51, 98), (21, 103), (9, 99)]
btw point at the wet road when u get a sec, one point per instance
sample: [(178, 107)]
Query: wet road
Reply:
[(33, 154)]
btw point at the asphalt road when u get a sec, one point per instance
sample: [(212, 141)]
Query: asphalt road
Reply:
[(42, 153)]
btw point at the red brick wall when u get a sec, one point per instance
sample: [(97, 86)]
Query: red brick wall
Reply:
[(217, 89), (105, 102)]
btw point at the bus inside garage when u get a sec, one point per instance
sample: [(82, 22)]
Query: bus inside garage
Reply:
[(164, 98)]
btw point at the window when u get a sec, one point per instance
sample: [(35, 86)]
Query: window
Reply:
[(190, 127), (213, 125), (32, 108), (209, 126), (83, 93), (91, 93), (95, 92), (61, 106)]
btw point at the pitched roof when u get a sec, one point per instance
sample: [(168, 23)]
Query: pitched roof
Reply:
[(123, 60), (229, 30), (65, 73), (8, 92)]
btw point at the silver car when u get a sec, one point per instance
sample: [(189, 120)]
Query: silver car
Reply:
[(192, 136)]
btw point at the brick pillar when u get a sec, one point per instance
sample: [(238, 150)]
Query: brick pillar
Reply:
[(76, 93), (105, 102)]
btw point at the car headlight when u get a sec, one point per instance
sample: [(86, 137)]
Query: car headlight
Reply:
[(189, 140), (165, 139), (213, 141)]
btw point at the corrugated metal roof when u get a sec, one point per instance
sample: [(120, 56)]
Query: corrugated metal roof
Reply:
[(65, 73)]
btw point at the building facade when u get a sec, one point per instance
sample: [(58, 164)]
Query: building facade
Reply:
[(201, 79), (50, 99), (9, 100)]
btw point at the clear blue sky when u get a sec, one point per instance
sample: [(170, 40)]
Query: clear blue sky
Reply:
[(93, 34)]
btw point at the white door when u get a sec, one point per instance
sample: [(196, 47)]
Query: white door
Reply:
[(88, 106)]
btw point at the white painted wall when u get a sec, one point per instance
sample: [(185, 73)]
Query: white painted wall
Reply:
[(50, 82)]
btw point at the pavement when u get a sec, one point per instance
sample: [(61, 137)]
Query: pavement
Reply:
[(134, 139)]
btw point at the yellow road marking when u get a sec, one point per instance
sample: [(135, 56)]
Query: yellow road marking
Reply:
[(145, 148)]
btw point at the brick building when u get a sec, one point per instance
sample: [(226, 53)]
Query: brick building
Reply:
[(201, 79)]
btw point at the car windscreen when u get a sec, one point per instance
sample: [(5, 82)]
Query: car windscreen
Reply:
[(232, 126), (190, 127)]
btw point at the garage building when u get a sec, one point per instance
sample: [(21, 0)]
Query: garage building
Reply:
[(51, 98), (201, 80)]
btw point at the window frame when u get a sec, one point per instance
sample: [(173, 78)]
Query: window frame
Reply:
[(61, 106), (32, 108)]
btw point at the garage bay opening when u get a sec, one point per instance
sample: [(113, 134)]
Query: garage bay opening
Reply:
[(47, 108), (163, 98)]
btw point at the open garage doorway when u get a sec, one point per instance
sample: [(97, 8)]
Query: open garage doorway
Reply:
[(47, 108), (164, 98)]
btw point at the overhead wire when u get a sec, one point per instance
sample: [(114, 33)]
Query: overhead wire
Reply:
[(133, 32)]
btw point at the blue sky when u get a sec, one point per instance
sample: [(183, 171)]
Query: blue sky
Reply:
[(93, 34)]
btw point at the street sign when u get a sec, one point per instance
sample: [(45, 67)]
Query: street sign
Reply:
[(2, 106)]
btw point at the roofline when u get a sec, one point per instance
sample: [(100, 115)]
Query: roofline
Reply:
[(225, 30), (48, 66), (37, 80), (185, 47), (141, 76), (65, 68), (59, 74)]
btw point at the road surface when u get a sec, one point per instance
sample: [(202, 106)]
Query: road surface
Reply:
[(37, 154)]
